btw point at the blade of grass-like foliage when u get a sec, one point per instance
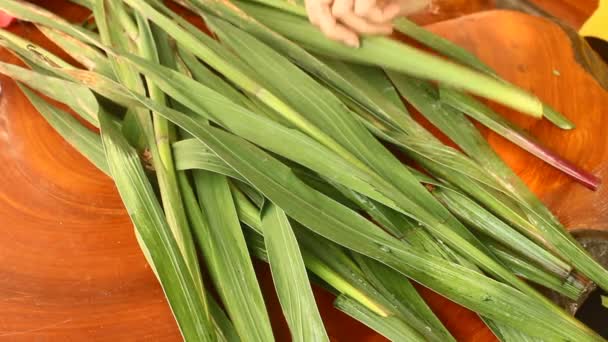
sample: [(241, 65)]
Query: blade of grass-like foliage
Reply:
[(90, 57), (225, 329), (117, 31), (85, 141), (335, 258), (479, 293), (390, 327), (264, 132), (163, 136), (84, 3), (508, 334), (395, 286), (477, 217), (335, 282), (523, 268), (440, 44), (78, 98), (420, 240), (17, 44), (463, 56), (140, 120), (402, 228), (425, 37), (400, 57), (532, 216), (337, 121), (159, 136), (387, 100), (413, 234), (204, 75), (289, 274), (418, 143), (148, 219), (26, 11), (487, 117), (300, 56), (248, 212), (225, 252), (210, 55), (192, 154), (40, 59), (326, 260)]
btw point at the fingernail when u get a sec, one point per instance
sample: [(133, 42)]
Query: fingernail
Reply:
[(353, 42)]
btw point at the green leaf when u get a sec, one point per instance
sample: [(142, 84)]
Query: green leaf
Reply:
[(199, 228), (77, 97), (441, 45), (26, 11), (404, 296), (526, 213), (397, 56), (163, 157), (290, 279), (478, 218), (85, 141), (487, 117), (225, 251), (191, 154), (90, 57), (147, 216), (390, 327), (345, 227), (338, 122), (524, 268)]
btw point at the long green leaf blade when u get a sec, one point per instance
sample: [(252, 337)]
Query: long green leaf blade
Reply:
[(225, 251), (85, 141), (139, 198), (291, 281), (390, 327)]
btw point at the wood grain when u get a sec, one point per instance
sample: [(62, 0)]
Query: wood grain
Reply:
[(70, 269), (572, 12)]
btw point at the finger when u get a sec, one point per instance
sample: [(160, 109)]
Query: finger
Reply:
[(325, 17), (340, 33), (363, 7), (362, 26), (390, 12), (375, 15), (312, 9), (342, 7)]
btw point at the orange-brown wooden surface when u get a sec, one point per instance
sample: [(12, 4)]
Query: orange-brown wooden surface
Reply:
[(572, 12), (71, 270)]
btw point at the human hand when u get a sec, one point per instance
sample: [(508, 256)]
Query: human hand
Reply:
[(345, 20)]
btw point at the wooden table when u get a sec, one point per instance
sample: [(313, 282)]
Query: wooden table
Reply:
[(71, 270)]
